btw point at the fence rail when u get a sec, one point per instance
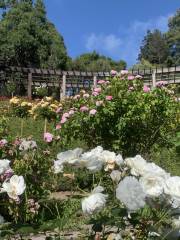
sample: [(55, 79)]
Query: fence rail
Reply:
[(70, 82)]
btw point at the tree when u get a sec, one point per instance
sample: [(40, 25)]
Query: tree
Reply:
[(173, 38), (95, 62), (28, 39), (154, 48)]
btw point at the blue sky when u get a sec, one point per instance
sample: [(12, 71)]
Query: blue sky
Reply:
[(112, 27)]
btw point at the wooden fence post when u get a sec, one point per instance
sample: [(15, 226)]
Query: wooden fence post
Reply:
[(29, 85), (63, 88), (95, 81), (154, 79)]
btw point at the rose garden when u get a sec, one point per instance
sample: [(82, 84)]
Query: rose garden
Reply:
[(102, 164)]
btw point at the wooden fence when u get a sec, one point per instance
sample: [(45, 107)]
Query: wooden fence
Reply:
[(71, 82)]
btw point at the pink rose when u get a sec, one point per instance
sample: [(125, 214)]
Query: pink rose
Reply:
[(95, 94), (63, 120), (92, 112), (71, 112), (160, 83), (131, 88), (130, 77), (113, 72), (84, 109), (146, 89), (3, 142), (101, 82), (58, 126), (59, 110), (109, 98), (124, 72), (98, 90), (48, 137), (65, 115)]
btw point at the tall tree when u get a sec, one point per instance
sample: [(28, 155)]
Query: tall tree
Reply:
[(154, 48), (27, 38), (173, 38)]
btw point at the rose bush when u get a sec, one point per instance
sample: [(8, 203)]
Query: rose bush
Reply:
[(121, 114)]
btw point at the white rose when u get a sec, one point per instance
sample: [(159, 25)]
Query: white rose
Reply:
[(58, 167), (172, 188), (152, 168), (119, 160), (15, 187), (152, 184), (70, 156), (95, 201), (91, 160), (136, 164), (109, 159), (115, 176), (26, 145), (4, 165)]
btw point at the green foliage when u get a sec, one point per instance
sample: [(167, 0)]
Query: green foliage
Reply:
[(132, 122), (173, 38), (95, 62), (29, 39), (154, 48)]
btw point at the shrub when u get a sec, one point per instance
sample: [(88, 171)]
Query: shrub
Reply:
[(121, 114)]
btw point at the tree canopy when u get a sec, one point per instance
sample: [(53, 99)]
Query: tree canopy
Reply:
[(27, 38), (96, 62)]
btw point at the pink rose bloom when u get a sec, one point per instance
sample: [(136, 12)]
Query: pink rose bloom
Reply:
[(48, 137), (113, 72), (17, 142), (138, 77), (63, 120), (58, 126), (86, 95), (99, 103), (65, 115), (59, 110), (84, 109), (146, 89), (101, 81), (124, 72), (131, 88), (92, 112), (98, 90), (77, 96), (131, 77), (109, 98), (71, 112), (3, 142), (160, 83), (95, 94)]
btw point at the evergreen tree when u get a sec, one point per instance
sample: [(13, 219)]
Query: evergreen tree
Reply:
[(154, 48), (173, 38)]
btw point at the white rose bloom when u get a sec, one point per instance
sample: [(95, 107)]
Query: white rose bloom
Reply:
[(152, 168), (70, 156), (131, 194), (115, 176), (152, 184), (95, 201), (136, 164), (119, 160), (109, 160), (4, 165), (172, 188), (27, 144), (91, 160), (14, 187), (58, 167)]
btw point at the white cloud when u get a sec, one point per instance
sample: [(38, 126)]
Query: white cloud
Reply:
[(105, 43), (125, 44)]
